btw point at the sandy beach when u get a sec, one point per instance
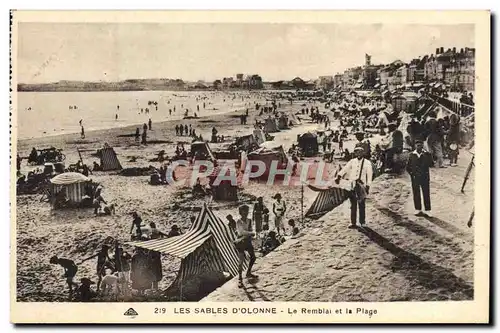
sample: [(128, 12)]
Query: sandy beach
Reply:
[(420, 259)]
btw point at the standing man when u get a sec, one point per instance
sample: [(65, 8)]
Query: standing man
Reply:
[(418, 167), (359, 171)]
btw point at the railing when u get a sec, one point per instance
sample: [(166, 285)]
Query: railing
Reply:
[(461, 109)]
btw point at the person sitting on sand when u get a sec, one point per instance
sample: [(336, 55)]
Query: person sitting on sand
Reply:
[(109, 284), (96, 167), (295, 230), (84, 292), (155, 233), (270, 243), (103, 262), (70, 269), (198, 189), (174, 231)]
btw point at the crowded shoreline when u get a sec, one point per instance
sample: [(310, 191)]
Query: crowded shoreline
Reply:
[(166, 206)]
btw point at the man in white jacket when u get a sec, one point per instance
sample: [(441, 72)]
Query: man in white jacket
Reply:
[(360, 170)]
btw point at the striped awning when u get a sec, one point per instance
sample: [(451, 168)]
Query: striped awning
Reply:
[(326, 201), (179, 246)]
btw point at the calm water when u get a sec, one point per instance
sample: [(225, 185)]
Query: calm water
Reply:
[(50, 113)]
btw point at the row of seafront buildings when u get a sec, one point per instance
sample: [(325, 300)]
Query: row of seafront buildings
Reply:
[(452, 67)]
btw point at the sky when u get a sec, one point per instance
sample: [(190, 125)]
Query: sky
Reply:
[(49, 52)]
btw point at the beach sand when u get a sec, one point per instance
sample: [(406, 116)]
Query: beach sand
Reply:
[(328, 262)]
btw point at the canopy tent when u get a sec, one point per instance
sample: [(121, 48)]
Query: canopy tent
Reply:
[(109, 160), (207, 247), (74, 185), (201, 151), (327, 200)]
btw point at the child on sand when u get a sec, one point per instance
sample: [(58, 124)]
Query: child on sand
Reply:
[(70, 270)]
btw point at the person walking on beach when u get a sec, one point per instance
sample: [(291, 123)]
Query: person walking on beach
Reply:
[(70, 270), (244, 243), (103, 262), (169, 112), (116, 116), (418, 167), (360, 172), (150, 124), (82, 134), (186, 129), (181, 130), (279, 210), (177, 130), (136, 222), (137, 134)]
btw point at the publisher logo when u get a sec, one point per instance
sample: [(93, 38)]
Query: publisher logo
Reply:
[(130, 313)]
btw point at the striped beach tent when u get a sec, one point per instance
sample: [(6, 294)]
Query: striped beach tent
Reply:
[(109, 160), (73, 183), (327, 200), (207, 247)]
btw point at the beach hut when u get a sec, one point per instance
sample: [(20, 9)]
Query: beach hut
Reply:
[(271, 125), (308, 142), (246, 142), (74, 185), (283, 122), (109, 160), (225, 190), (207, 247), (201, 151)]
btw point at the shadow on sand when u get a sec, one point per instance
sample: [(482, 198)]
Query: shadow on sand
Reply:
[(253, 293), (428, 275)]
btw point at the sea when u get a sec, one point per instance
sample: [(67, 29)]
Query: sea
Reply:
[(42, 114)]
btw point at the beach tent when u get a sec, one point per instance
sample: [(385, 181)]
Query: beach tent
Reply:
[(327, 200), (207, 247), (202, 149), (308, 142), (109, 160), (246, 142), (73, 183), (225, 190), (271, 125), (268, 152), (292, 118), (259, 136)]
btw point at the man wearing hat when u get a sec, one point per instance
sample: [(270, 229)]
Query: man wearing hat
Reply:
[(418, 166), (360, 136), (360, 172)]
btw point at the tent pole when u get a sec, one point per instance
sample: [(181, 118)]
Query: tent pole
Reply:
[(302, 204)]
